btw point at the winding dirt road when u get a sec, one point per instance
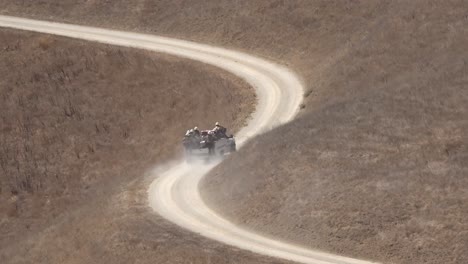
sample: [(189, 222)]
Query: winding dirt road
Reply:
[(174, 194)]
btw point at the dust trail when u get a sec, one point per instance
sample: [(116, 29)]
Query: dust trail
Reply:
[(175, 193)]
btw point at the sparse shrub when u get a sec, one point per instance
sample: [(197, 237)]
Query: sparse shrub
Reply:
[(45, 42)]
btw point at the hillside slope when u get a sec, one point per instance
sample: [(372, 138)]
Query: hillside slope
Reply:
[(81, 123), (378, 171), (308, 36), (375, 165)]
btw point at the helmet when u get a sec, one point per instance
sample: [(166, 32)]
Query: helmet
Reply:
[(195, 128), (217, 124)]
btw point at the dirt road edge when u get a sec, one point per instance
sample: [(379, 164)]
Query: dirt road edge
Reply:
[(174, 194)]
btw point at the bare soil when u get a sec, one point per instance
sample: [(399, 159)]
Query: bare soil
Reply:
[(376, 164)]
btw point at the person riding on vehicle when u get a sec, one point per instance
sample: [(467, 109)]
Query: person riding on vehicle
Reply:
[(196, 135), (196, 132), (210, 141), (220, 131), (189, 133)]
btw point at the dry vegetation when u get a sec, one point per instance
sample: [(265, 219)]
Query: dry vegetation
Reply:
[(376, 165), (378, 168), (80, 125)]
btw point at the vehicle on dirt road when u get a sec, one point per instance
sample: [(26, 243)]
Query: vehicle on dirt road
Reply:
[(207, 144)]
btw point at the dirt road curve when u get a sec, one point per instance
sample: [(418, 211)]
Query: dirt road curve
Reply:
[(174, 194)]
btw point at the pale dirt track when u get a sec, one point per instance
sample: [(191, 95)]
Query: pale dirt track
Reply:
[(174, 194)]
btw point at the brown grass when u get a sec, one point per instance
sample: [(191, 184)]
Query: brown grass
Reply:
[(377, 169), (375, 166), (80, 122)]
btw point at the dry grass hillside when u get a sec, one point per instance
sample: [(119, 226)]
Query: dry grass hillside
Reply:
[(376, 164), (309, 36), (81, 123), (377, 170)]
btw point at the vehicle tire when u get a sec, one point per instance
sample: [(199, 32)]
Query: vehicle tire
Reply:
[(211, 151), (233, 148)]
